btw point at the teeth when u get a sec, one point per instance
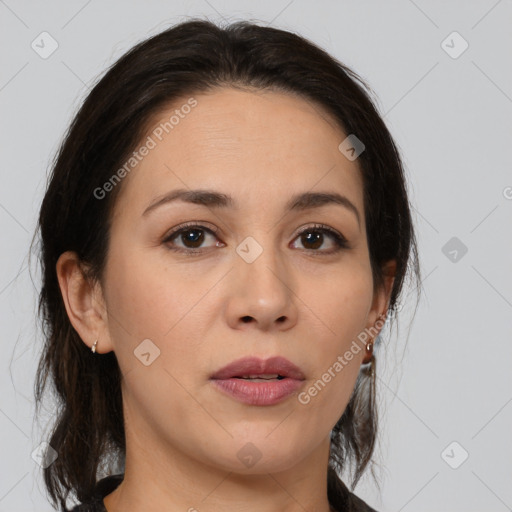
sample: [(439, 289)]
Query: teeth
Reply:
[(264, 376)]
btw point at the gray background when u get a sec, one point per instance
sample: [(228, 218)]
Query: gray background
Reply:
[(445, 380)]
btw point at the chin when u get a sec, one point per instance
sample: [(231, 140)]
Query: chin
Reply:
[(257, 455)]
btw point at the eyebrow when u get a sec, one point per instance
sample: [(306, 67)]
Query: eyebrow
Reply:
[(214, 199)]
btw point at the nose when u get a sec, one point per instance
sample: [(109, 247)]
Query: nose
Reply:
[(261, 292)]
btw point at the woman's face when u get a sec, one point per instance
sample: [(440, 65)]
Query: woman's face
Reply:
[(243, 284)]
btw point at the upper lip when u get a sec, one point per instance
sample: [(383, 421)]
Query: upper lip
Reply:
[(256, 366)]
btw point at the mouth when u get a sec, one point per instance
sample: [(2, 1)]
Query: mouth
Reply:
[(254, 381), (255, 368), (260, 378)]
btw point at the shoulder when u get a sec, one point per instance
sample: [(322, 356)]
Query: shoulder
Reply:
[(103, 487), (358, 505), (88, 507), (343, 500)]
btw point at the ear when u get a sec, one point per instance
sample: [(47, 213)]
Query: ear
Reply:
[(381, 298), (84, 302)]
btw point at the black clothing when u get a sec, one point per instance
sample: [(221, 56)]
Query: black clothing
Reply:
[(104, 487)]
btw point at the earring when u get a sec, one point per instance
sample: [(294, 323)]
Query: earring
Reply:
[(369, 353), (93, 348)]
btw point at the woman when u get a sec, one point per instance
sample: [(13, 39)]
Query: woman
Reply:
[(223, 234)]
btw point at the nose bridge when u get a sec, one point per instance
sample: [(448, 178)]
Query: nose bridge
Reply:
[(262, 290), (260, 261)]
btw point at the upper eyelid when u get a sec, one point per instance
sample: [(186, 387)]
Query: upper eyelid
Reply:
[(191, 225)]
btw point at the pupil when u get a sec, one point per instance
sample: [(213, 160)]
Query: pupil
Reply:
[(195, 240), (315, 239)]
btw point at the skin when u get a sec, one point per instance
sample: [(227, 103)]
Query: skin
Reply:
[(182, 434)]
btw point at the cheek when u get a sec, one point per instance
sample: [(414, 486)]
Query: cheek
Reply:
[(325, 397), (149, 298), (147, 295), (341, 306), (325, 400), (339, 310)]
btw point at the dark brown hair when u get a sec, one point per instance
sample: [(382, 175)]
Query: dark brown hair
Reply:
[(189, 58)]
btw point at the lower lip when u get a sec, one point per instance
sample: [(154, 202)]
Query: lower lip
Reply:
[(258, 393)]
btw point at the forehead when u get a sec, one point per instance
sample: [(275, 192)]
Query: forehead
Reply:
[(244, 143)]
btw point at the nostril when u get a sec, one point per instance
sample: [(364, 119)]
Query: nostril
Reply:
[(246, 319)]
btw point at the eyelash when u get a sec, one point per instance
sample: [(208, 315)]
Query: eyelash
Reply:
[(340, 241)]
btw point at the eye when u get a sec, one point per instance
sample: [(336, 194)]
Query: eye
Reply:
[(313, 237), (192, 236)]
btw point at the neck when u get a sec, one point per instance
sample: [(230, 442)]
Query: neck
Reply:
[(167, 479)]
